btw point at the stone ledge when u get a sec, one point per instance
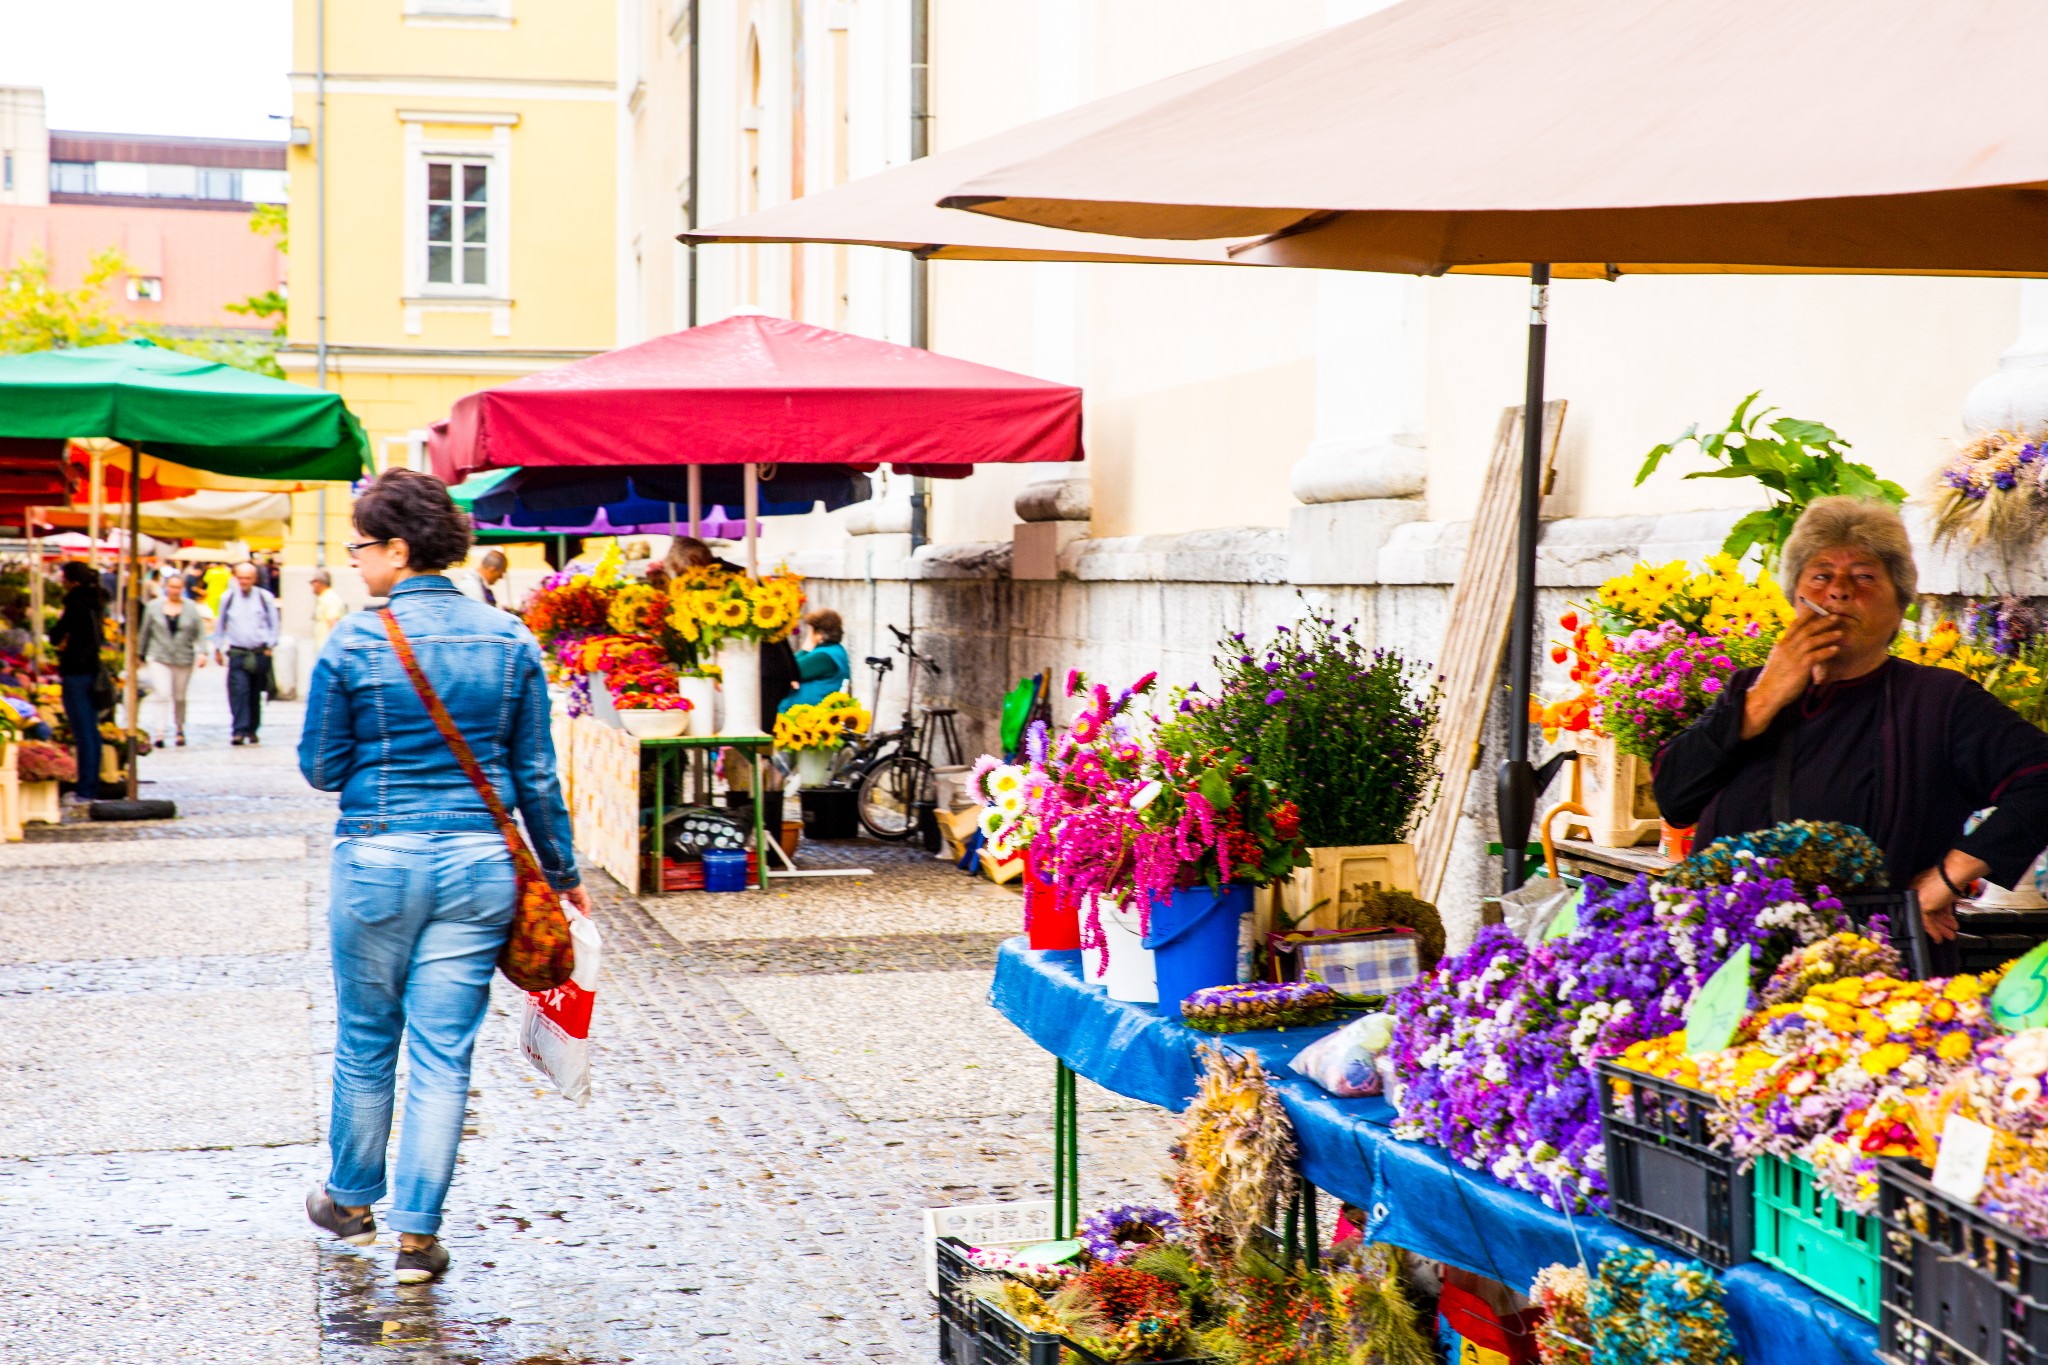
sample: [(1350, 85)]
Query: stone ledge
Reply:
[(1244, 554), (1576, 555)]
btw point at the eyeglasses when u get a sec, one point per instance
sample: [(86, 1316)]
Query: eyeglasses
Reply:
[(359, 546)]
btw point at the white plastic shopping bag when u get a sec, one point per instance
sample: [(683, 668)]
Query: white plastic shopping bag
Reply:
[(554, 1026)]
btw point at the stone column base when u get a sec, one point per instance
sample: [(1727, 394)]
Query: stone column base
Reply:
[(1035, 546), (1340, 542)]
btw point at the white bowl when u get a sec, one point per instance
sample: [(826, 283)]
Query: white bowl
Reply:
[(655, 724)]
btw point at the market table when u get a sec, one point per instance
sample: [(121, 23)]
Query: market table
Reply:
[(604, 766), (1414, 1195)]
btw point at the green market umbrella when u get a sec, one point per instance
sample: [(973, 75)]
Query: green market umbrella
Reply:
[(191, 411)]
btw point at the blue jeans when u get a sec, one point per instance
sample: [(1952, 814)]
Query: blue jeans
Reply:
[(416, 922), (84, 720)]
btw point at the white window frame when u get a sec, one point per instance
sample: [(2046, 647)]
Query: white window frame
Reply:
[(494, 152)]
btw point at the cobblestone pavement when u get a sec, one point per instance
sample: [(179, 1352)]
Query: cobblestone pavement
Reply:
[(784, 1081)]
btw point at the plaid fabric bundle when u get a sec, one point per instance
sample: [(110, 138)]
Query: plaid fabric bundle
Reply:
[(1379, 965)]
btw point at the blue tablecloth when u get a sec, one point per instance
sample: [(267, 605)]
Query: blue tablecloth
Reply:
[(1414, 1194)]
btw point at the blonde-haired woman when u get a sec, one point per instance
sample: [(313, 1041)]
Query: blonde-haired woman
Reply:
[(172, 626), (1834, 728)]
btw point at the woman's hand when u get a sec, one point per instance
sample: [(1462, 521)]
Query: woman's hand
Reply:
[(578, 896), (1796, 660), (1937, 902)]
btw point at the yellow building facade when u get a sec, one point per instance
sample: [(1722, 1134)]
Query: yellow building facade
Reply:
[(468, 208)]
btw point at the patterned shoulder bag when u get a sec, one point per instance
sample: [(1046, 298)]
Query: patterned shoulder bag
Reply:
[(539, 955)]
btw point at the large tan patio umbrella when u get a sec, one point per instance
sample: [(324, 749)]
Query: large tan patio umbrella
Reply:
[(898, 208), (1595, 139)]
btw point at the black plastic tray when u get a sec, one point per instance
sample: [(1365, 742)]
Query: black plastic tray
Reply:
[(1959, 1287), (1665, 1178), (975, 1333)]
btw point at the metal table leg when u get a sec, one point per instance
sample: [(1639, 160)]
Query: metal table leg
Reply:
[(1066, 1153)]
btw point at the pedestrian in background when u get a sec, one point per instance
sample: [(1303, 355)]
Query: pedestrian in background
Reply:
[(480, 584), (822, 668), (218, 580), (78, 634), (245, 630), (328, 608), (171, 630), (423, 886)]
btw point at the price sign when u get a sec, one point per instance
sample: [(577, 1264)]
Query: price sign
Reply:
[(1716, 1012), (1048, 1253), (1566, 921), (1964, 1153), (2021, 1000)]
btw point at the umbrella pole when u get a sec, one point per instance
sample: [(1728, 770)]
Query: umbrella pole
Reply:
[(753, 511), (131, 694), (697, 495), (95, 471), (35, 595), (1516, 796)]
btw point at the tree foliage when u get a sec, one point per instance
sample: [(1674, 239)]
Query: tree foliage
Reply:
[(35, 315)]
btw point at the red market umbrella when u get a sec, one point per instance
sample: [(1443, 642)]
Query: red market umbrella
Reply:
[(762, 390)]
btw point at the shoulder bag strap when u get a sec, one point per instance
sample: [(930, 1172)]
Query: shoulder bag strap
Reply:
[(522, 856)]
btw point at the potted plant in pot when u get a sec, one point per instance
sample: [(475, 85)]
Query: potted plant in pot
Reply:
[(815, 731), (40, 766), (1344, 732), (1714, 603)]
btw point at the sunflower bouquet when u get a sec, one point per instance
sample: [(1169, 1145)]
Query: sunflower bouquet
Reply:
[(708, 606), (822, 725)]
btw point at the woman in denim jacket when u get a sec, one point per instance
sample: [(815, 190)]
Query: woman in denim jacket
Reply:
[(422, 883)]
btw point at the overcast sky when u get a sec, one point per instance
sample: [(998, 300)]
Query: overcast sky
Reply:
[(201, 68)]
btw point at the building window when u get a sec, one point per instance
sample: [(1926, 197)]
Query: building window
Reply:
[(71, 177), (458, 222), (219, 184), (146, 288), (6, 170)]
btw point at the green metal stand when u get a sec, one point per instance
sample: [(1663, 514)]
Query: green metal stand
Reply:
[(1066, 1152)]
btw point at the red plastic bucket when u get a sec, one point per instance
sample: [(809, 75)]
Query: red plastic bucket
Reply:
[(1051, 919)]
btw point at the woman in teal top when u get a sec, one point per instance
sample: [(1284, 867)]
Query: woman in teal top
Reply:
[(822, 669)]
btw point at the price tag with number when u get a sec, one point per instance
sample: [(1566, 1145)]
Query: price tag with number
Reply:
[(2021, 1000), (1716, 1012)]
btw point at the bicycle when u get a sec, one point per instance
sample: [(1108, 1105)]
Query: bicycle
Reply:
[(892, 771)]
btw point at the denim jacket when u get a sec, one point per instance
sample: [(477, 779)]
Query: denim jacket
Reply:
[(368, 736)]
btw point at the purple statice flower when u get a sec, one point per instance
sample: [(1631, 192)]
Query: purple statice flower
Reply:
[(1496, 1044), (1276, 696)]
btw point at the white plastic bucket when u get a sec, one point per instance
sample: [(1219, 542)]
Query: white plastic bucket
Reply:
[(1133, 974)]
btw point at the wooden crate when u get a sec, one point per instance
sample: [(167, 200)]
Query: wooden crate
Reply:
[(40, 804), (10, 792), (1617, 792), (1335, 874)]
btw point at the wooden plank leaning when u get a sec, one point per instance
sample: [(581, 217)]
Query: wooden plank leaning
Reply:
[(1477, 628)]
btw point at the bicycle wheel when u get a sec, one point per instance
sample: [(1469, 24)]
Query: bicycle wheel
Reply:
[(889, 794)]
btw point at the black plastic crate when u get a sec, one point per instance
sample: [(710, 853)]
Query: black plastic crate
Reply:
[(830, 813), (1665, 1177), (1959, 1287), (975, 1333), (1906, 932), (1992, 938)]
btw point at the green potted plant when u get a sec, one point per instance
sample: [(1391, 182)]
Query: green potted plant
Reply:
[(1345, 732)]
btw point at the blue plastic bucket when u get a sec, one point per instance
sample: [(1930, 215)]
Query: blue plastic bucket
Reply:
[(1194, 940), (725, 869)]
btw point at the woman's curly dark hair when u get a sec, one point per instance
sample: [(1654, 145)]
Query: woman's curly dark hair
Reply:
[(404, 504)]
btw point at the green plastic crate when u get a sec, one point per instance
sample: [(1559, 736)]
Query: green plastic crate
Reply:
[(1806, 1234)]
